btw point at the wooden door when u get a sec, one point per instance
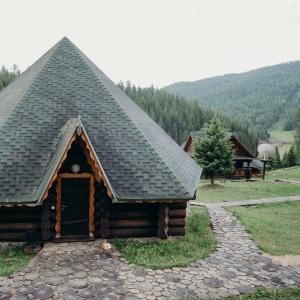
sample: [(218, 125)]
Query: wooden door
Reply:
[(75, 207)]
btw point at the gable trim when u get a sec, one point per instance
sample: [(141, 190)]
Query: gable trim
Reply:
[(79, 132)]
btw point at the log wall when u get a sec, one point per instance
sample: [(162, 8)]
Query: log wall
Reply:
[(177, 219), (132, 220), (15, 222)]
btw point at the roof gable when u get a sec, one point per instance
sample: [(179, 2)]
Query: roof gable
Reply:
[(140, 160)]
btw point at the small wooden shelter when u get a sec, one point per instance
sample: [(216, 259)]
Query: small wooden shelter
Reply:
[(245, 165), (79, 159)]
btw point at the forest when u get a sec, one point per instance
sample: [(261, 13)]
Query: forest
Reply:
[(178, 117), (264, 97)]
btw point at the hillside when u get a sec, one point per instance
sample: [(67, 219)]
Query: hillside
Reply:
[(178, 117), (262, 97)]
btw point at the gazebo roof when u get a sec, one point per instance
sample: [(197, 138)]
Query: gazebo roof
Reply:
[(39, 110)]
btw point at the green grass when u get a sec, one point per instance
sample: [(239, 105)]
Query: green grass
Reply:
[(288, 294), (275, 227), (244, 190), (12, 260), (292, 173), (198, 243), (280, 136)]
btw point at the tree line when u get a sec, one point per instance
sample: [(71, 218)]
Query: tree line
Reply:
[(178, 117), (7, 76)]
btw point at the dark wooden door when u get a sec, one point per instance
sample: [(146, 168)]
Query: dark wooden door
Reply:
[(75, 207)]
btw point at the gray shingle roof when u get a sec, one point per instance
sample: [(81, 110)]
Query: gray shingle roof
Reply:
[(139, 159)]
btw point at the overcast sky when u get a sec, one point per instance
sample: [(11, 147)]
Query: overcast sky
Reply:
[(155, 41)]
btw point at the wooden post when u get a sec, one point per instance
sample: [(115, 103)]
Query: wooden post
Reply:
[(58, 209), (264, 168), (45, 220), (163, 221), (104, 219), (91, 206)]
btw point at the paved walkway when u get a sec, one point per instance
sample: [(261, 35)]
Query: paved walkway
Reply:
[(82, 270), (248, 202)]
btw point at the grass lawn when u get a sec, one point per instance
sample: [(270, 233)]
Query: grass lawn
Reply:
[(292, 173), (282, 136), (278, 136), (243, 190), (12, 259), (198, 243), (289, 294), (275, 227)]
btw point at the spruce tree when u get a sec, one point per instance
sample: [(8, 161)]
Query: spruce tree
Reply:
[(213, 151), (291, 157), (285, 162), (276, 161)]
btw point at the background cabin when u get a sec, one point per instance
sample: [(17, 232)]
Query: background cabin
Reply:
[(245, 164)]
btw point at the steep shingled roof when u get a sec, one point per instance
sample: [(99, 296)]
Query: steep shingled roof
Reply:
[(140, 161)]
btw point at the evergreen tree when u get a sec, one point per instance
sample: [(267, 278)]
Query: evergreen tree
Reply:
[(6, 76), (276, 160), (291, 157), (213, 152), (297, 136), (285, 163)]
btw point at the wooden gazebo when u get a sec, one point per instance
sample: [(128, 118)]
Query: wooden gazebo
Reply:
[(80, 160)]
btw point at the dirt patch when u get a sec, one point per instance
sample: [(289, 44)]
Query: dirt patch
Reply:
[(286, 260)]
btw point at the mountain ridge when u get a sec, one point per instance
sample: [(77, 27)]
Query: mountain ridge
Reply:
[(261, 97)]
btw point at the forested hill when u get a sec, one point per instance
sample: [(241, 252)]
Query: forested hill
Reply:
[(261, 97), (178, 117)]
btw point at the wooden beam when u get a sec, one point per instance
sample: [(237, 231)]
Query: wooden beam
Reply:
[(92, 206), (127, 223), (162, 222), (19, 226), (58, 209), (75, 175)]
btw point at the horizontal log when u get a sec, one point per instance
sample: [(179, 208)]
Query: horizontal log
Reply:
[(133, 206), (133, 232), (177, 213), (19, 226), (16, 211), (12, 236), (181, 205), (132, 214), (132, 223), (20, 218), (176, 231), (177, 222)]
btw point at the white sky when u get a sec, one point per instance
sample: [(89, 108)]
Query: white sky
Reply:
[(155, 41)]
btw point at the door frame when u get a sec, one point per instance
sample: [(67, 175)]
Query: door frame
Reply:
[(58, 208)]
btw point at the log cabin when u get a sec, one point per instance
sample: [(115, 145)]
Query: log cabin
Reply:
[(245, 164), (80, 160)]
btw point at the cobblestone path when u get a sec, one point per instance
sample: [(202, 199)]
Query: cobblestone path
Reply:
[(83, 271)]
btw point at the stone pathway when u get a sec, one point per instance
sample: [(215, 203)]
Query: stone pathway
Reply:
[(248, 202), (83, 271)]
